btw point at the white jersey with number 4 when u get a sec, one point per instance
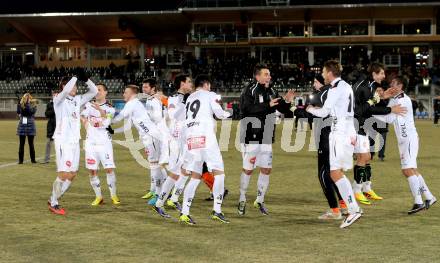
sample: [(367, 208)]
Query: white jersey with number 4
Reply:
[(339, 105)]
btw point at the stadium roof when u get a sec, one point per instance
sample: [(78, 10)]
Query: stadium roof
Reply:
[(20, 7), (45, 21)]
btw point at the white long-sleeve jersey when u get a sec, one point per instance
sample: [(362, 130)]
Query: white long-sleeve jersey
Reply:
[(135, 111), (96, 124), (156, 112), (176, 115), (403, 125), (339, 105), (67, 111), (200, 107)]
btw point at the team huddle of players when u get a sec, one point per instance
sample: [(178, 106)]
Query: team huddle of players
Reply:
[(180, 140)]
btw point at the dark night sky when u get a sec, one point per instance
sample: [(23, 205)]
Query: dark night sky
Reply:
[(41, 6)]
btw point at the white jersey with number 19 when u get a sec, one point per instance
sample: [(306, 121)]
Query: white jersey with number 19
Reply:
[(201, 141)]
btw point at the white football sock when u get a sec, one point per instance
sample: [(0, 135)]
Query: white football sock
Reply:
[(179, 186), (56, 191), (157, 175), (262, 185), (96, 185), (218, 189), (346, 192), (425, 190), (164, 174), (166, 189), (357, 188), (414, 185), (111, 182), (366, 186), (244, 184), (188, 195), (65, 186), (152, 182)]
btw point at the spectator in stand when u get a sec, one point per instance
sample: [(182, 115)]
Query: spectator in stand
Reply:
[(50, 128), (26, 127)]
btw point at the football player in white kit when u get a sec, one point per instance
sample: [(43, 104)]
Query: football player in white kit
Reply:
[(339, 105), (135, 112), (176, 177), (157, 151), (98, 144), (408, 142), (202, 146), (67, 106)]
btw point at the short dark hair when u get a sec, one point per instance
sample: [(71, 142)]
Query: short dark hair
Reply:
[(103, 85), (334, 67), (259, 67), (63, 83), (133, 88), (201, 80), (375, 67), (152, 82), (400, 80), (179, 79)]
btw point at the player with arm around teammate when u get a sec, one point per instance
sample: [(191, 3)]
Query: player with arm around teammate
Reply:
[(98, 146), (408, 144), (342, 138)]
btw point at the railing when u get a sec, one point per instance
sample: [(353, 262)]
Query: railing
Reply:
[(217, 38)]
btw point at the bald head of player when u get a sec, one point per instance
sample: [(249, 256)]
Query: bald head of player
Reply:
[(332, 70), (203, 82), (130, 92), (63, 83), (262, 75)]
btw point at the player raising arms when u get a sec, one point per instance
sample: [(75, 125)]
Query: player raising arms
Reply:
[(339, 105), (67, 106), (202, 146), (408, 142), (98, 144)]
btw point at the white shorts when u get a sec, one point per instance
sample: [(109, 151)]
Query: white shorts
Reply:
[(99, 153), (176, 157), (256, 155), (409, 150), (157, 151), (194, 157), (67, 156), (341, 151), (362, 144)]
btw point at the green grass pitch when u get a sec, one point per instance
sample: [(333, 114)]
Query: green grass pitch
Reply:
[(292, 232)]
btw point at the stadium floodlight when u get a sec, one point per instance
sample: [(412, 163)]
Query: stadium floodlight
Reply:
[(115, 39), (63, 40), (13, 48), (29, 53)]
